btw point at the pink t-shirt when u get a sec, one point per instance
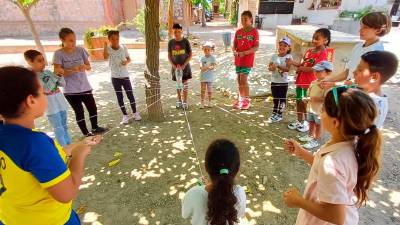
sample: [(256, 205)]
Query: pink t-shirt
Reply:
[(332, 179)]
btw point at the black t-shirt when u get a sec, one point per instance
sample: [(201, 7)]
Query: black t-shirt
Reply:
[(180, 51)]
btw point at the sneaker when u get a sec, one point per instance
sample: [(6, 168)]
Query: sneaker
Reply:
[(90, 134), (305, 138), (303, 127), (237, 105), (178, 105), (278, 118), (137, 117), (272, 117), (311, 144), (99, 130), (209, 105), (185, 106), (293, 125), (125, 119), (202, 105), (245, 104)]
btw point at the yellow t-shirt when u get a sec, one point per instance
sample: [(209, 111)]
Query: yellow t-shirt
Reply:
[(30, 162)]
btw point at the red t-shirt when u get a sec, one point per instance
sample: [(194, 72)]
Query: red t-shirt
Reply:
[(310, 58), (243, 42)]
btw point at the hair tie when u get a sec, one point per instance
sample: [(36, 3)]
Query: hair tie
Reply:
[(223, 171), (369, 129)]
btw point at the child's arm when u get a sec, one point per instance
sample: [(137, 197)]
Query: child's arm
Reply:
[(271, 67), (65, 72), (187, 61), (332, 213), (305, 69), (105, 51), (293, 147), (67, 189)]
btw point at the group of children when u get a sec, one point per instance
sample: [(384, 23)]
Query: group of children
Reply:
[(342, 171)]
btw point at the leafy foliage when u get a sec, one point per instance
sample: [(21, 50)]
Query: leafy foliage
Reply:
[(356, 15)]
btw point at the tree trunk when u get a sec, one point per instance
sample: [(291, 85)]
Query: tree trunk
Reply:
[(233, 15), (170, 18), (203, 17), (35, 34), (152, 89)]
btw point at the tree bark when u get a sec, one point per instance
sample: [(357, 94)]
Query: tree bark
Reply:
[(35, 34), (152, 88), (203, 17), (170, 18)]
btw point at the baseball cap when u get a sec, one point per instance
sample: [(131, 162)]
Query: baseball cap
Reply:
[(286, 40), (208, 44), (323, 65)]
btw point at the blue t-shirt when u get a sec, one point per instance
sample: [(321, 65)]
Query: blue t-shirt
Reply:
[(205, 61)]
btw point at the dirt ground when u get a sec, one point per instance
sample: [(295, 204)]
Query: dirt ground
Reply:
[(158, 162)]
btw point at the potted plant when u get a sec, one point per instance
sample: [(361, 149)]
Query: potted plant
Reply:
[(94, 41)]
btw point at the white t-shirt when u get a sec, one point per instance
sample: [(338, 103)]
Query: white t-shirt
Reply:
[(278, 77), (382, 105), (356, 54), (194, 204), (332, 179), (116, 59)]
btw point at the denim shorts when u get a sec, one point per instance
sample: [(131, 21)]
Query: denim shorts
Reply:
[(311, 117)]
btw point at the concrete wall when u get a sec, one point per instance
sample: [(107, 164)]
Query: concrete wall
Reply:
[(270, 21), (50, 15)]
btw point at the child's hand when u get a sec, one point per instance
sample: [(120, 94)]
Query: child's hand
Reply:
[(93, 141), (82, 68), (306, 100), (348, 82), (59, 71), (293, 147), (124, 62), (289, 62), (300, 68), (272, 67), (241, 54), (326, 85), (204, 180), (292, 198), (235, 53)]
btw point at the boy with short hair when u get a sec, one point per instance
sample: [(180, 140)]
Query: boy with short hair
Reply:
[(119, 58), (57, 105), (315, 99), (179, 55), (245, 45), (374, 69)]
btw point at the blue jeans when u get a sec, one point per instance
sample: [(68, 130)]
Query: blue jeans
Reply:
[(59, 122)]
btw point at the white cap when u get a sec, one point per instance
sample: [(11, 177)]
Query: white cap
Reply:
[(286, 40), (208, 44)]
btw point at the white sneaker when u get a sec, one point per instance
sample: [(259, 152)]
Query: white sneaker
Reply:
[(311, 144), (278, 118), (305, 138), (303, 127), (209, 105), (185, 106), (293, 125), (178, 105), (137, 117), (201, 105), (125, 119)]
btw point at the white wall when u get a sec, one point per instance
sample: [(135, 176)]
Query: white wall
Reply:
[(270, 21)]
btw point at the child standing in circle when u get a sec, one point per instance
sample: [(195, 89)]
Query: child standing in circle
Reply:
[(38, 178), (372, 26), (279, 82), (118, 60), (314, 102), (220, 202), (179, 55), (305, 75), (245, 45), (57, 105), (343, 170), (207, 66), (72, 62)]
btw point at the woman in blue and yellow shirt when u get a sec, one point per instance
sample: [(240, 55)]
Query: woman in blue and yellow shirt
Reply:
[(37, 185)]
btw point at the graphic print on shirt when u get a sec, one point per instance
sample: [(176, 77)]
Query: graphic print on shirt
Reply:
[(178, 51), (2, 167)]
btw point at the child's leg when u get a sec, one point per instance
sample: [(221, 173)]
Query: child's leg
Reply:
[(55, 121), (178, 94), (90, 104), (245, 85), (203, 91), (209, 90), (282, 97), (240, 86), (185, 90), (67, 137), (126, 83), (76, 103), (117, 84), (275, 96), (299, 110), (311, 131)]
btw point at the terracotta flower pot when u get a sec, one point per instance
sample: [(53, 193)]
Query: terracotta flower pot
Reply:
[(96, 48)]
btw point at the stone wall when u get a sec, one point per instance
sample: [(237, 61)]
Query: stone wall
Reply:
[(50, 15)]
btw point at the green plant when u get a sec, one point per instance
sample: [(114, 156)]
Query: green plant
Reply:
[(93, 33), (233, 15), (140, 23), (356, 15)]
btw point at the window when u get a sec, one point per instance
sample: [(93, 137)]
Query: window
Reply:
[(325, 4)]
